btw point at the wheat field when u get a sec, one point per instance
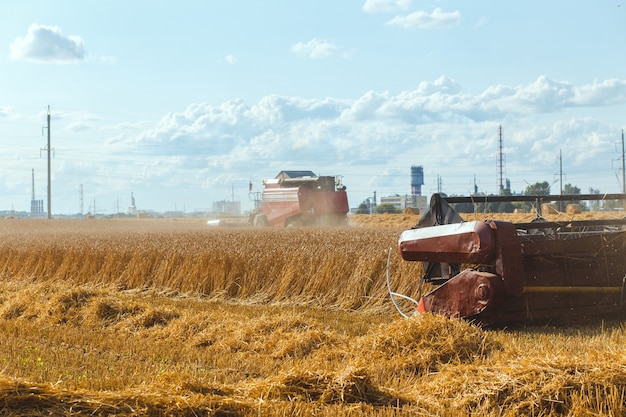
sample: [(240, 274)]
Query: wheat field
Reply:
[(172, 318)]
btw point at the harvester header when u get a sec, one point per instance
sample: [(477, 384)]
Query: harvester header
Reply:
[(497, 272)]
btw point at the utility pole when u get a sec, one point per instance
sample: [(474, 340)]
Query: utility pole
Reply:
[(81, 200), (48, 148), (623, 166), (561, 170), (560, 177), (500, 162), (49, 170), (33, 197)]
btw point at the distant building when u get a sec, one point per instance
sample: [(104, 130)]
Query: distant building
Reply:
[(417, 179), (227, 207), (36, 208), (132, 209), (413, 200), (408, 200)]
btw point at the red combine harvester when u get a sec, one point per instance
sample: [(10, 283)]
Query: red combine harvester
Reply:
[(496, 272), (301, 198)]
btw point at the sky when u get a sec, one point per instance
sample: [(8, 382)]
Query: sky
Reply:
[(181, 104)]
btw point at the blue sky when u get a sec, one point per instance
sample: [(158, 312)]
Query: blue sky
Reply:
[(182, 104)]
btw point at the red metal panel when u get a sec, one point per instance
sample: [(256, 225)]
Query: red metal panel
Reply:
[(469, 242), (330, 202), (508, 260), (280, 204)]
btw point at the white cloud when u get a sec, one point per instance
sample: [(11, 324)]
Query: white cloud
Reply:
[(442, 84), (6, 111), (314, 48), (287, 131), (547, 95), (231, 59), (481, 22), (365, 107), (605, 92), (385, 6), (75, 121), (134, 125), (296, 123), (47, 44), (438, 124), (79, 126), (104, 59), (438, 19)]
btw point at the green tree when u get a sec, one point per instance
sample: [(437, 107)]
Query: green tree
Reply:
[(570, 189), (468, 207), (594, 204), (573, 190), (539, 188), (504, 207), (363, 209), (482, 207), (387, 208), (613, 205)]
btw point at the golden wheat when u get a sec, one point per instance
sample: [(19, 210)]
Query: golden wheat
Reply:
[(325, 267), (165, 318)]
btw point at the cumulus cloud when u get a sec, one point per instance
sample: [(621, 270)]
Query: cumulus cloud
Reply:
[(548, 95), (314, 48), (368, 126), (611, 91), (452, 132), (438, 19), (440, 101), (6, 111), (292, 128), (78, 126), (385, 6), (47, 44)]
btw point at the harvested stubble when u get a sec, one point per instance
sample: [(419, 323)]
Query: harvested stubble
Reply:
[(155, 345)]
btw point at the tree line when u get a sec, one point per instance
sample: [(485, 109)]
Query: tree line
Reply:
[(537, 189)]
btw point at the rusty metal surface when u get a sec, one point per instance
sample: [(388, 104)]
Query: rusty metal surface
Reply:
[(508, 260), (465, 295), (534, 272), (469, 242)]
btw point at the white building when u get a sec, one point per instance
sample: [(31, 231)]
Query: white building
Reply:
[(408, 200)]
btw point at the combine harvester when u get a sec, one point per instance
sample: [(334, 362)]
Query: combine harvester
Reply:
[(497, 272), (301, 198)]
